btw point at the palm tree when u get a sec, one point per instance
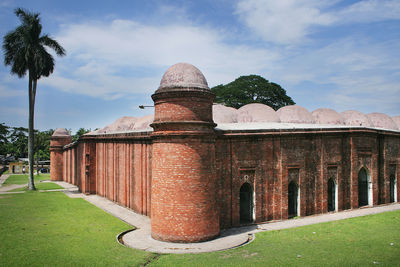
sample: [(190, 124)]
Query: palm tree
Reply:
[(25, 51)]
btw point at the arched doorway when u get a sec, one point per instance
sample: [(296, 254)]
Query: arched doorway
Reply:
[(331, 195), (293, 196), (363, 188), (246, 203), (393, 192)]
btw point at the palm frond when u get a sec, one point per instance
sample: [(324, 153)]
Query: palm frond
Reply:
[(47, 41)]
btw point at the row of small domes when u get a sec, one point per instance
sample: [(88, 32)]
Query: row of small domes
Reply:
[(256, 112)]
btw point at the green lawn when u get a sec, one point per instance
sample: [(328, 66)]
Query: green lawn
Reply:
[(23, 178), (39, 186), (51, 229), (353, 242)]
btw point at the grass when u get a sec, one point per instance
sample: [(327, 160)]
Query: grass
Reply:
[(39, 186), (51, 229), (353, 242), (23, 178)]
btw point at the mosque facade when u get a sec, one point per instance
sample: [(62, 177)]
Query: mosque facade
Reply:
[(196, 168)]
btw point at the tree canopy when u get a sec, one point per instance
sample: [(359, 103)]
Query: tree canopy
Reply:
[(251, 89)]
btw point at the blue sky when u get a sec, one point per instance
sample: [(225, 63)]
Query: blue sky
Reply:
[(325, 53)]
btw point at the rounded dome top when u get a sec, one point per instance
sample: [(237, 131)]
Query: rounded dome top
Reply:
[(355, 118), (257, 112), (183, 75), (396, 119), (381, 120), (295, 114), (327, 116), (61, 132), (224, 114)]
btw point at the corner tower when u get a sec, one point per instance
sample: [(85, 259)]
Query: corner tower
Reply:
[(58, 140), (183, 193)]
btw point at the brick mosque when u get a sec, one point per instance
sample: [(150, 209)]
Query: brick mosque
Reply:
[(196, 168)]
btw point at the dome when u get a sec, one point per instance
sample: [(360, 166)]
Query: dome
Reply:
[(396, 119), (61, 132), (295, 114), (355, 118), (143, 123), (122, 124), (327, 116), (183, 75), (381, 120), (223, 114), (257, 112)]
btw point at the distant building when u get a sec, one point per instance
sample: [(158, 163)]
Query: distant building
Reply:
[(203, 167), (18, 168)]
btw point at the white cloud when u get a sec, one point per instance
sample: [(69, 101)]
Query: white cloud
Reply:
[(370, 11), (126, 57), (284, 21), (6, 92), (291, 21)]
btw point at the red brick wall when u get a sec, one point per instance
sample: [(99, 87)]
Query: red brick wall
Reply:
[(184, 190), (119, 167)]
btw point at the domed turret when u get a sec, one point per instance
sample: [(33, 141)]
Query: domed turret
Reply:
[(58, 140), (182, 76), (183, 189)]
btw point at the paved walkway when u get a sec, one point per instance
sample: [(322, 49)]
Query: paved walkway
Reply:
[(140, 238)]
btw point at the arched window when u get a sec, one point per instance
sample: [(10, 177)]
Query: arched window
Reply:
[(364, 189), (293, 199), (332, 195), (246, 203), (393, 191)]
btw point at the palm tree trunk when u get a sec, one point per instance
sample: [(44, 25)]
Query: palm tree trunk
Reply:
[(31, 183)]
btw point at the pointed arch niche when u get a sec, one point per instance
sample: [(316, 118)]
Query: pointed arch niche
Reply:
[(364, 188)]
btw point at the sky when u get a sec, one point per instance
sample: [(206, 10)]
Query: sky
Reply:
[(325, 53)]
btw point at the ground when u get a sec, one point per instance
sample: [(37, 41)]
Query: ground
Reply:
[(50, 229)]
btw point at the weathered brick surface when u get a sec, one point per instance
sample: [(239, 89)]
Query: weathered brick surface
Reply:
[(56, 154), (189, 180)]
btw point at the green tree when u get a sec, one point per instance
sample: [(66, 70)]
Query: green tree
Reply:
[(42, 145), (25, 51), (18, 140), (4, 132), (251, 89), (79, 133)]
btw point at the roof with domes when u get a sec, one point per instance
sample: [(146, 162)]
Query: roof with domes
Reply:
[(355, 118), (224, 114), (396, 119), (327, 116), (182, 75), (381, 120), (295, 114), (257, 112)]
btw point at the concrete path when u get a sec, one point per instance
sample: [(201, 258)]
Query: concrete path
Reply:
[(3, 178)]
